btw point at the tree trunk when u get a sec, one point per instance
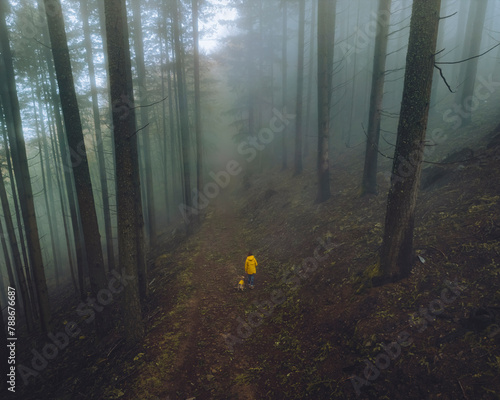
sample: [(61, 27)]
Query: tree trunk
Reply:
[(23, 180), (3, 242), (143, 101), (197, 100), (326, 40), (11, 234), (284, 85), (436, 80), (183, 111), (102, 29), (177, 162), (68, 176), (477, 14), (396, 254), (19, 223), (57, 167), (99, 139), (14, 197), (311, 76), (46, 180), (300, 90), (346, 133), (171, 113), (164, 68), (127, 173), (260, 76), (25, 260), (79, 165), (369, 184)]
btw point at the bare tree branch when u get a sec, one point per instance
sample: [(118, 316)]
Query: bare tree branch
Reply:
[(444, 79), (448, 16), (149, 105), (138, 130), (467, 59)]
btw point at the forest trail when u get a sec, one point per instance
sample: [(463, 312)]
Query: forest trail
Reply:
[(202, 365)]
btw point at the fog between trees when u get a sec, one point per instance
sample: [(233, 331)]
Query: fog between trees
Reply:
[(200, 125)]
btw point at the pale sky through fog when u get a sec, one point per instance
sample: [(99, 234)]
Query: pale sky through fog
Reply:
[(210, 41)]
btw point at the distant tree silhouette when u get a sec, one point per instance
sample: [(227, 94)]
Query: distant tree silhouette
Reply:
[(10, 104), (284, 83), (96, 114), (369, 184), (197, 98), (79, 163), (150, 209), (183, 106), (472, 47), (300, 90), (326, 39)]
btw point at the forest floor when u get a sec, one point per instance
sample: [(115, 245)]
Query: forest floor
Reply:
[(314, 327)]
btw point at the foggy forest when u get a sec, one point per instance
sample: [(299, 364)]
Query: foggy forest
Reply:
[(250, 199)]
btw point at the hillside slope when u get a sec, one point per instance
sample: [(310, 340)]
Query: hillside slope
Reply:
[(312, 327)]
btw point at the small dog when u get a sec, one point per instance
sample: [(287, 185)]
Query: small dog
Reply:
[(241, 284)]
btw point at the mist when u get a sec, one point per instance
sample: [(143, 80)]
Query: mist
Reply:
[(146, 147)]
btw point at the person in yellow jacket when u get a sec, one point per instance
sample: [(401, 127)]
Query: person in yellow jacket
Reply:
[(250, 269)]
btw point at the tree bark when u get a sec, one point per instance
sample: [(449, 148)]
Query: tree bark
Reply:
[(396, 254), (127, 165)]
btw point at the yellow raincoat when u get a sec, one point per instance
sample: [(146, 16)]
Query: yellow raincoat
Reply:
[(250, 265)]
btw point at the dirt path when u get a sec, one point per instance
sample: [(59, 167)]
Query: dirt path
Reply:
[(204, 367)]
